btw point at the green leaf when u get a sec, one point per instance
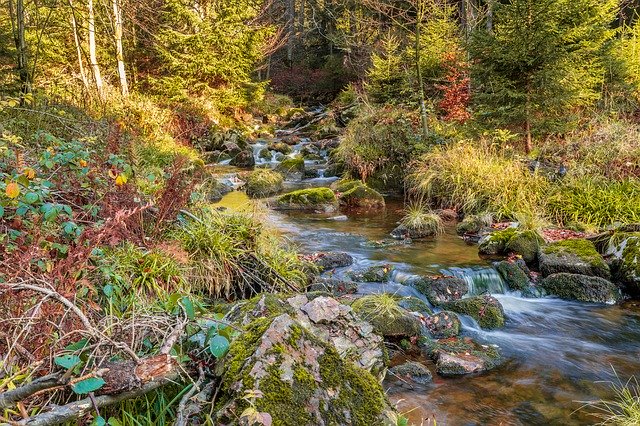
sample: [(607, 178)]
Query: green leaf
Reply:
[(403, 421), (188, 307), (108, 290), (114, 422), (99, 421), (80, 344), (1, 211), (219, 345), (31, 197), (88, 385), (67, 361)]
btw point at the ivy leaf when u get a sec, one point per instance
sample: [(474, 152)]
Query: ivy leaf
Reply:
[(188, 307), (67, 361), (88, 385), (31, 197), (99, 421), (1, 211), (80, 344), (218, 346)]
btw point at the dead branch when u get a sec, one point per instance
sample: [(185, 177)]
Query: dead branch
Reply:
[(9, 398)]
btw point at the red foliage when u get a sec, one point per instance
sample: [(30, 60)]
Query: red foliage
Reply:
[(456, 94)]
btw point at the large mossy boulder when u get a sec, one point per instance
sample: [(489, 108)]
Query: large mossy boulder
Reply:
[(292, 168), (576, 256), (387, 317), (512, 240), (263, 183), (583, 288), (440, 289), (413, 304), (372, 274), (460, 356), (280, 147), (243, 159), (486, 310), (624, 249), (355, 194), (322, 199), (474, 224), (513, 274), (299, 378)]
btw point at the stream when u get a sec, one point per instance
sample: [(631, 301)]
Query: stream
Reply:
[(557, 354)]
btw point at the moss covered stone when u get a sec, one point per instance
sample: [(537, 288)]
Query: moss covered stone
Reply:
[(354, 193), (440, 289), (624, 248), (263, 182), (386, 316), (443, 325), (308, 199), (372, 274), (414, 372), (459, 356), (583, 288), (413, 304), (302, 379), (291, 166), (526, 244), (513, 275), (576, 256), (486, 310), (496, 242), (473, 224), (280, 147), (265, 154)]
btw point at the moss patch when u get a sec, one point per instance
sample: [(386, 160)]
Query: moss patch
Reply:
[(581, 287), (307, 199), (263, 182), (575, 256), (526, 244), (496, 242), (373, 274), (513, 275), (386, 316), (291, 165), (484, 309)]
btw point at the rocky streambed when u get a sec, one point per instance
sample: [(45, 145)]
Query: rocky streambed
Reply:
[(469, 339)]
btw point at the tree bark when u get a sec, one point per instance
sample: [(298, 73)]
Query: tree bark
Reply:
[(117, 19), (418, 47), (76, 39), (95, 68), (291, 29), (18, 26)]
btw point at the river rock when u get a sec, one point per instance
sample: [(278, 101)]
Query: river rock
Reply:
[(280, 147), (263, 182), (332, 260), (372, 274), (583, 288), (513, 274), (576, 256), (474, 224), (333, 286), (318, 199), (414, 372), (460, 356), (511, 240), (439, 290), (291, 168), (355, 194), (299, 378), (243, 159), (386, 316), (486, 310), (413, 304), (624, 249), (443, 325)]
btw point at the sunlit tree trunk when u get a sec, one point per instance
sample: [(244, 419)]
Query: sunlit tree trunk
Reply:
[(16, 14), (76, 39), (418, 46), (291, 29), (92, 51), (117, 19)]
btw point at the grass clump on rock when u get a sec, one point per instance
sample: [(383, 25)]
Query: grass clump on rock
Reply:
[(263, 182), (419, 223), (386, 316)]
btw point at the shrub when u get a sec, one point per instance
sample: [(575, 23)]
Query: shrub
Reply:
[(477, 178)]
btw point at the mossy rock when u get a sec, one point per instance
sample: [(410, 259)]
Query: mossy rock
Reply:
[(459, 356), (308, 199), (291, 166), (355, 194), (513, 275), (280, 147), (413, 304), (575, 256), (331, 260), (496, 242), (473, 224), (263, 182), (525, 244), (443, 325), (265, 154), (582, 288), (372, 274), (414, 372), (486, 310), (291, 367), (243, 159), (344, 185), (386, 316), (333, 170), (624, 248), (333, 286), (439, 290)]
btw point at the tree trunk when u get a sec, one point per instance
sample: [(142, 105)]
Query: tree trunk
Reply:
[(291, 29), (18, 27), (117, 18), (92, 51), (76, 39), (490, 16), (423, 105)]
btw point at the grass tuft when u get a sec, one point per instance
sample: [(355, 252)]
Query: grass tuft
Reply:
[(422, 220), (623, 409)]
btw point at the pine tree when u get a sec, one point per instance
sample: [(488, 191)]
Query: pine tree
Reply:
[(385, 78), (541, 59)]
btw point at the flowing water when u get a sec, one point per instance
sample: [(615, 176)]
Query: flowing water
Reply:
[(557, 353)]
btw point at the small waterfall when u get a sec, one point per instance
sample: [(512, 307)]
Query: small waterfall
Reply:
[(480, 279)]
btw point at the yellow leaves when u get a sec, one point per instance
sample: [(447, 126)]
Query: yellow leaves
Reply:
[(112, 174), (29, 173), (12, 190), (121, 180), (83, 163)]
